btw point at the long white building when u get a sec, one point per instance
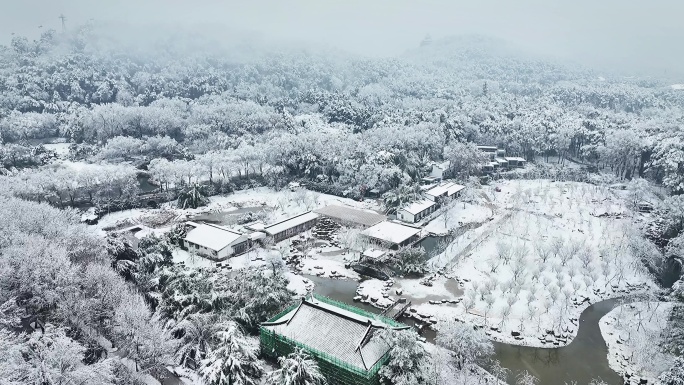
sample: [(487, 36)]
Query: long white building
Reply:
[(215, 242)]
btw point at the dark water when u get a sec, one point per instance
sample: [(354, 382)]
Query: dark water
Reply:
[(342, 290), (145, 185), (670, 272), (430, 244), (584, 359)]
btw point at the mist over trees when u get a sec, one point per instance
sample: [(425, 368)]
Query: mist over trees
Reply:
[(281, 110), (198, 117)]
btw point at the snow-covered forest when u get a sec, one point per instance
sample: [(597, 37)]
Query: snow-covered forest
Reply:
[(98, 135)]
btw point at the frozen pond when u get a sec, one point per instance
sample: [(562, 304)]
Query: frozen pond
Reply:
[(583, 359)]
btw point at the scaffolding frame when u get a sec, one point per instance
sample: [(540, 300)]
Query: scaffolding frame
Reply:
[(334, 369)]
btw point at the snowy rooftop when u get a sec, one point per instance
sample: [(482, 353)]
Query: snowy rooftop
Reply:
[(350, 214), (255, 226), (374, 253), (418, 206), (515, 158), (501, 160), (449, 188), (487, 148), (212, 237), (391, 232), (290, 223), (334, 331), (256, 235), (454, 188), (439, 190)]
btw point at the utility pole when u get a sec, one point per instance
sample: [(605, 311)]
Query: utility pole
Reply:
[(63, 22)]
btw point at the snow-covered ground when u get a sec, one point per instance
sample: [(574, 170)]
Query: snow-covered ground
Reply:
[(375, 292), (633, 335), (331, 265), (551, 250), (61, 149), (285, 203), (384, 293), (446, 371), (191, 260), (281, 205), (458, 214), (527, 259)]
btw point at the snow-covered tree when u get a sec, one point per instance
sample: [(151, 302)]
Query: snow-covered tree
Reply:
[(199, 333), (525, 378), (49, 357), (410, 261), (675, 375), (296, 368), (408, 360), (233, 361), (465, 159), (192, 197), (469, 346)]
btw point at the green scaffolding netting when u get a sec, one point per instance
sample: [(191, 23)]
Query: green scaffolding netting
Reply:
[(335, 370)]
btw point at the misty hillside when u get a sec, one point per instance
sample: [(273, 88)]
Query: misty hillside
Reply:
[(180, 208)]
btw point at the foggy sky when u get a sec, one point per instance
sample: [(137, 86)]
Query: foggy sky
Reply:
[(624, 34)]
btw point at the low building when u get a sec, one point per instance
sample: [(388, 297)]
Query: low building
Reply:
[(134, 234), (350, 216), (429, 181), (491, 151), (392, 235), (215, 242), (644, 207), (439, 170), (341, 338), (455, 190), (416, 211), (502, 162), (490, 167), (374, 255), (444, 191), (515, 161), (254, 226), (291, 226)]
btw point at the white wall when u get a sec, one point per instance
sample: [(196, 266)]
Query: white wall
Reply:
[(437, 172), (222, 254), (405, 216)]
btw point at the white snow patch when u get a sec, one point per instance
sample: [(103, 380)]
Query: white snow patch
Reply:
[(61, 149), (458, 215), (374, 291), (300, 285), (190, 260), (633, 335), (546, 296)]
